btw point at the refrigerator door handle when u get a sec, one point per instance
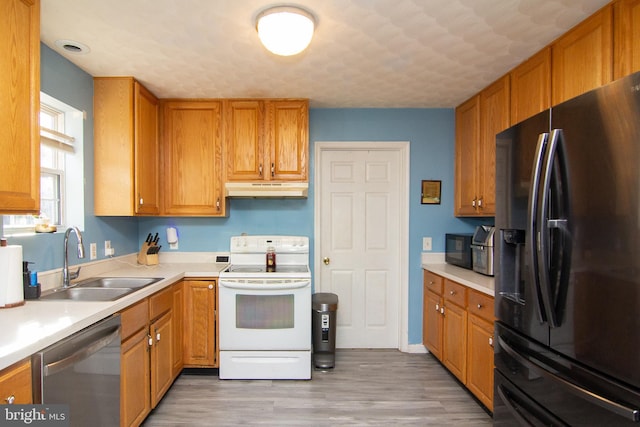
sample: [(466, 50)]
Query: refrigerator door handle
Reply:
[(546, 223), (533, 225), (626, 411)]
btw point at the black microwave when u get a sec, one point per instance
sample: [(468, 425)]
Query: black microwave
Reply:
[(458, 250)]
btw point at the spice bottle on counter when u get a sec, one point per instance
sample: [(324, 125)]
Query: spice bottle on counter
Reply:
[(271, 259)]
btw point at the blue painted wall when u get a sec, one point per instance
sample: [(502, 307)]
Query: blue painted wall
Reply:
[(430, 132)]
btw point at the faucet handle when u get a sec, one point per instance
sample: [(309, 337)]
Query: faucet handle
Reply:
[(74, 274)]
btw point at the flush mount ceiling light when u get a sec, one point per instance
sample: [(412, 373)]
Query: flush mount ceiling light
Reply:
[(285, 30)]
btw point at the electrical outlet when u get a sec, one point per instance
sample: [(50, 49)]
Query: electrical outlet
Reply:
[(108, 250), (93, 251), (426, 243)]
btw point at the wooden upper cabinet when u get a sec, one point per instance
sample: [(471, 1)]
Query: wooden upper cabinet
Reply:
[(244, 139), (20, 106), (192, 151), (288, 136), (126, 148), (467, 137), (626, 37), (266, 140), (582, 59), (477, 122), (531, 86)]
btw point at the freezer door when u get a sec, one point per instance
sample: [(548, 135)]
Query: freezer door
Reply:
[(535, 384), (599, 144)]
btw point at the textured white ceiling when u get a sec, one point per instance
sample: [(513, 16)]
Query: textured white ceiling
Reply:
[(365, 53)]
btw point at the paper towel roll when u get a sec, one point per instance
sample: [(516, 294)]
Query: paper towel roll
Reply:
[(11, 288)]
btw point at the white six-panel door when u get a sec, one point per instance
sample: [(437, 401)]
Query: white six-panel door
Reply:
[(360, 243)]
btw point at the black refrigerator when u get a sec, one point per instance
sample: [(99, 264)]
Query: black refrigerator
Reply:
[(567, 338)]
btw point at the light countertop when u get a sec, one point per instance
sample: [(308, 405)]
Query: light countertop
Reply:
[(39, 324), (469, 278)]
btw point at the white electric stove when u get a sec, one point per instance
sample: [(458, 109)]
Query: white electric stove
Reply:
[(265, 316)]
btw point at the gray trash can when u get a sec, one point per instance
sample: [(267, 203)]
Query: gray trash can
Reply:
[(324, 307)]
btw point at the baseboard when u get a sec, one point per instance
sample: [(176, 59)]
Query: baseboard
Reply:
[(416, 348)]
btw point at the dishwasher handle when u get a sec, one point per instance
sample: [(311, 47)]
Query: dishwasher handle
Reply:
[(98, 344)]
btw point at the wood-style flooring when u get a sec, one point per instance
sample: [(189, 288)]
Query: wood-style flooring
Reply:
[(366, 388)]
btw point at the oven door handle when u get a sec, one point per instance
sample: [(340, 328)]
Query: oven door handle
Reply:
[(297, 284)]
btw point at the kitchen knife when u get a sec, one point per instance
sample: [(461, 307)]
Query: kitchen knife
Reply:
[(148, 239), (156, 239)]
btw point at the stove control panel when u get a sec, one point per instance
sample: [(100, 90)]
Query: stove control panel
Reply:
[(259, 244)]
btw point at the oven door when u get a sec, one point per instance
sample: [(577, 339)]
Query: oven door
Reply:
[(265, 314)]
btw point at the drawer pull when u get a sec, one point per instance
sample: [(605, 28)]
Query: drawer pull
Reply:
[(491, 341), (479, 306), (452, 292), (10, 399)]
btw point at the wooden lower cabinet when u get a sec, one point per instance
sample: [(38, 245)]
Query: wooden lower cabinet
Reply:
[(15, 384), (454, 336), (135, 379), (161, 363), (200, 325), (458, 331)]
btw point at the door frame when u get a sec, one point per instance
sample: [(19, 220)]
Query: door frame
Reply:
[(403, 148)]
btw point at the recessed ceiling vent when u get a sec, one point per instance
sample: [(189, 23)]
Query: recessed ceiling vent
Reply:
[(72, 46)]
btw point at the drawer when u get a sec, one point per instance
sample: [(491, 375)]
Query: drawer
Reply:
[(134, 318), (481, 305), (433, 282), (160, 302), (455, 293)]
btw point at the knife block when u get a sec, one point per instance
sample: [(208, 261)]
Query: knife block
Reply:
[(147, 259)]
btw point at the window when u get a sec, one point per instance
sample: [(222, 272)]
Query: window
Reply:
[(61, 170)]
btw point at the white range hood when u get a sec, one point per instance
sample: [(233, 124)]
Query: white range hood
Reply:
[(266, 189)]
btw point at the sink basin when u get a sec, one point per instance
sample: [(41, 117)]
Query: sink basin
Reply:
[(117, 282), (87, 294), (100, 288)]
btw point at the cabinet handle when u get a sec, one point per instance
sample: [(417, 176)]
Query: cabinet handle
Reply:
[(437, 308), (273, 170), (473, 202), (452, 292), (10, 399), (260, 169), (150, 340), (210, 286), (141, 201), (491, 341), (480, 202), (218, 204), (479, 306), (157, 336), (432, 283)]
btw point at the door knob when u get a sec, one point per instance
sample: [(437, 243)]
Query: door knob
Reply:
[(326, 260)]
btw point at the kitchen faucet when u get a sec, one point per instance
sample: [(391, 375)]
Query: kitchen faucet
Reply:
[(66, 276)]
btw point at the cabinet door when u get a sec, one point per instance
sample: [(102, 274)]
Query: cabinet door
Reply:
[(432, 323), (178, 332), (15, 384), (200, 332), (192, 150), (467, 137), (582, 59), (531, 86), (627, 37), (244, 140), (135, 380), (288, 140), (147, 152), (161, 363), (20, 106), (480, 360), (494, 118), (454, 352)]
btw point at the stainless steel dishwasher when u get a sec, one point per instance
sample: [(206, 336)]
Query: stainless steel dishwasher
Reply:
[(83, 371)]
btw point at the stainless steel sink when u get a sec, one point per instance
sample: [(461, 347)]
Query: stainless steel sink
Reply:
[(87, 294), (117, 282), (100, 288)]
